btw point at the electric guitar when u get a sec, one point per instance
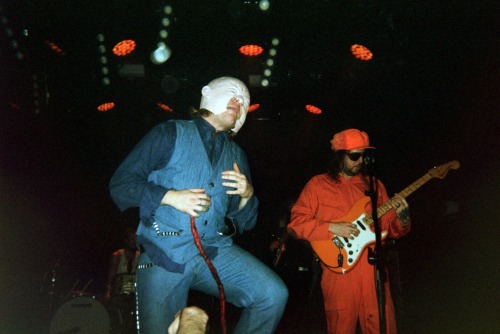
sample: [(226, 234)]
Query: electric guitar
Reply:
[(340, 254)]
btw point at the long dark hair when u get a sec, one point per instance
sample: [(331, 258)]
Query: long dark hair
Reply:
[(193, 112), (336, 165)]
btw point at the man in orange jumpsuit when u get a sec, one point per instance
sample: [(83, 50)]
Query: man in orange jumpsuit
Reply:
[(349, 295)]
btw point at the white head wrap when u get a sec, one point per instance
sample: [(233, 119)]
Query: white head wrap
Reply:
[(216, 95)]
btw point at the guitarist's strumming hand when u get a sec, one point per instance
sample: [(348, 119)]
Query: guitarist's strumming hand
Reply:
[(402, 209), (344, 229)]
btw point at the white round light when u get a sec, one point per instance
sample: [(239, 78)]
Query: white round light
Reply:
[(160, 55), (264, 4)]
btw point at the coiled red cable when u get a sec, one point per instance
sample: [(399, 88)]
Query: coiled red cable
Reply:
[(197, 241)]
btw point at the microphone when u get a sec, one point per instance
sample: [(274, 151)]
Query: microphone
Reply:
[(368, 157), (369, 161)]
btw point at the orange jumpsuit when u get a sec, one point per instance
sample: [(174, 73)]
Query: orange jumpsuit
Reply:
[(352, 295)]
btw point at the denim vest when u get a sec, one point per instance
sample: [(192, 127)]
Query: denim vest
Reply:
[(169, 233)]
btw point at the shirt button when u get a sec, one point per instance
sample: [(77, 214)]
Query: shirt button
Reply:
[(205, 222), (212, 184), (203, 235)]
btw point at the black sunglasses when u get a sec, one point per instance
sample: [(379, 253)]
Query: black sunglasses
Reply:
[(354, 156)]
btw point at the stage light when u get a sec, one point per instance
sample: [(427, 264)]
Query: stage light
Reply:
[(55, 48), (251, 50), (163, 106), (11, 36), (107, 106), (167, 9), (253, 107), (124, 47), (161, 54), (313, 109), (264, 5), (165, 22), (361, 52), (269, 63), (163, 34), (103, 59)]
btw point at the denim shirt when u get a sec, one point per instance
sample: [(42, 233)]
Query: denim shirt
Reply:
[(176, 155)]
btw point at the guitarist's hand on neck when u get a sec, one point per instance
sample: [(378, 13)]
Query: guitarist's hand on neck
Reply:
[(402, 209)]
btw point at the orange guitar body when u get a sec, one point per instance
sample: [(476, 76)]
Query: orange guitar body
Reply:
[(329, 250)]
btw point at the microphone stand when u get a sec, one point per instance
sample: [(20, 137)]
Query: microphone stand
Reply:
[(376, 257)]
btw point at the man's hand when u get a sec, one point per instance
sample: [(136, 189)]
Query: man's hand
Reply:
[(402, 209), (239, 182), (343, 229), (189, 201)]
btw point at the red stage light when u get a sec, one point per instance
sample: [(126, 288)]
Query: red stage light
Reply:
[(253, 107), (313, 109), (164, 107), (124, 47), (55, 48), (361, 52), (251, 50), (106, 106)]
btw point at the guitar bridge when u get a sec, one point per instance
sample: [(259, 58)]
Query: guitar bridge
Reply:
[(338, 242)]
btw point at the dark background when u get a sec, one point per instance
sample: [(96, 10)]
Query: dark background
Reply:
[(428, 96)]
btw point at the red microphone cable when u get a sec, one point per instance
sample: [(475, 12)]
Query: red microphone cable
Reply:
[(197, 241)]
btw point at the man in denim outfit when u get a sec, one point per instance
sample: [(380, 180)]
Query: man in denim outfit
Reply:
[(192, 168)]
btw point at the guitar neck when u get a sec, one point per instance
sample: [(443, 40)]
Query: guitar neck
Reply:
[(386, 207)]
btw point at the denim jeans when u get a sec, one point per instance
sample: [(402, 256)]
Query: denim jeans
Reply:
[(248, 283)]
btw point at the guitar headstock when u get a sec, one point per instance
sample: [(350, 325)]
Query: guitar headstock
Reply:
[(441, 170)]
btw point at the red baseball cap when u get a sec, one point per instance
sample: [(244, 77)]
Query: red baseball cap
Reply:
[(350, 139)]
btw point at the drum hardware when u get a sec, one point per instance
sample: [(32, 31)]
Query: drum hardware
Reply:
[(81, 315)]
